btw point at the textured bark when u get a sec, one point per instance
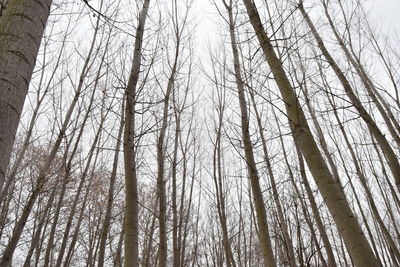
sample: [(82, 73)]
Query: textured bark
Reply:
[(342, 214), (131, 227), (21, 29), (35, 114), (3, 4), (261, 213)]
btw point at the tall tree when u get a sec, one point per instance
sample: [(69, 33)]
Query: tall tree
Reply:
[(131, 229), (22, 25), (348, 226), (261, 212), (388, 151)]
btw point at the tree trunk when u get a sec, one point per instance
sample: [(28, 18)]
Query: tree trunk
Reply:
[(22, 25), (391, 157), (107, 217), (261, 213), (345, 220), (131, 228)]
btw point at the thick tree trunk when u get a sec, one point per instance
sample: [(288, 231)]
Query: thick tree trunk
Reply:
[(22, 25), (35, 114)]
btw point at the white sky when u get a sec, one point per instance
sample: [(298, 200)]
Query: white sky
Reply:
[(385, 12)]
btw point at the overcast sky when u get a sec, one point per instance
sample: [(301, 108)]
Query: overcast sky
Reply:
[(388, 13), (384, 12)]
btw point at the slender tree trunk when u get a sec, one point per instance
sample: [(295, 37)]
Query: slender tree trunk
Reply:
[(261, 213), (76, 198), (282, 221), (147, 252), (176, 225), (363, 181), (163, 249), (345, 220), (74, 238), (218, 181), (162, 199), (175, 248), (36, 237), (311, 199), (8, 252), (131, 227), (391, 157), (362, 213), (107, 217), (368, 84)]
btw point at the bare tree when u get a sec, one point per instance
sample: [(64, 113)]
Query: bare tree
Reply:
[(131, 191), (249, 155), (346, 222)]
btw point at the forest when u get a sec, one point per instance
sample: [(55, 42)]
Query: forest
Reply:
[(198, 133)]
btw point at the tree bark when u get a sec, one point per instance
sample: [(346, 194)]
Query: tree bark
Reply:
[(22, 25)]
